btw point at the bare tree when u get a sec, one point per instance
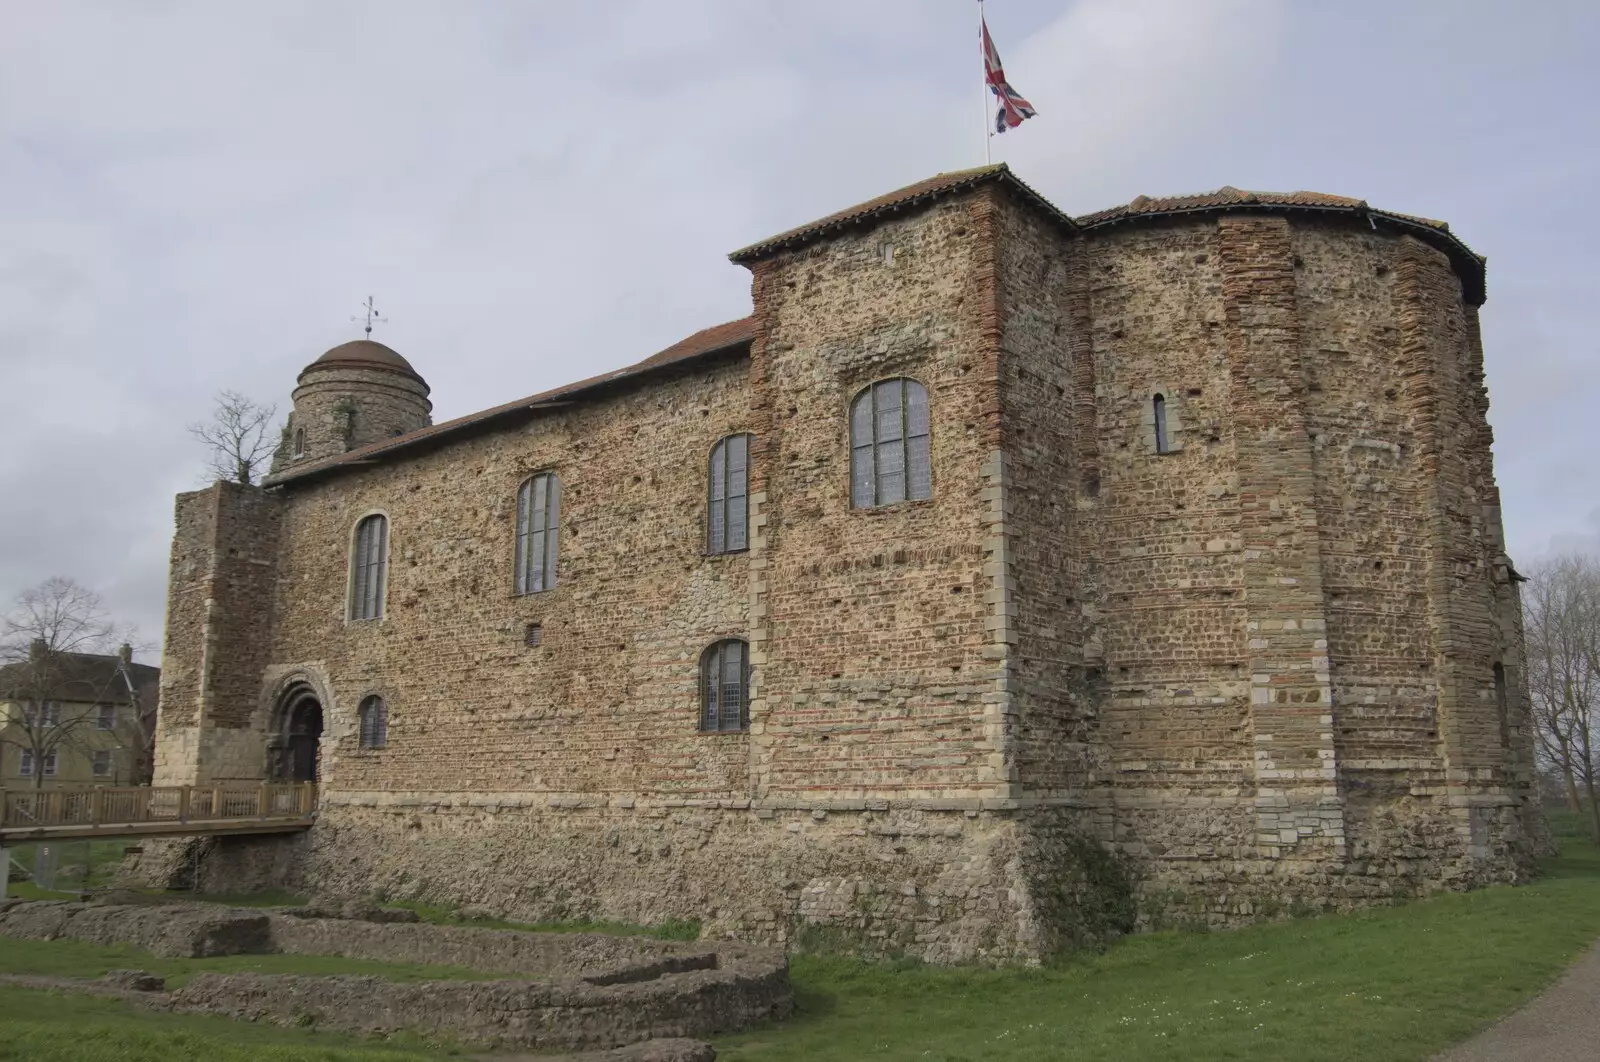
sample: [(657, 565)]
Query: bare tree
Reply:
[(238, 438), (44, 642), (1561, 607)]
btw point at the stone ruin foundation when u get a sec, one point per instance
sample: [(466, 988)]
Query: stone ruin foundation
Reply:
[(583, 991)]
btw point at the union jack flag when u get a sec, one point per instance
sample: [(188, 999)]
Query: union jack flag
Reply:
[(1013, 110)]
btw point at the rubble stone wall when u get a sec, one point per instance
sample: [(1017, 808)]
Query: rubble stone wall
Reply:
[(225, 564), (507, 1013), (343, 407), (1236, 665)]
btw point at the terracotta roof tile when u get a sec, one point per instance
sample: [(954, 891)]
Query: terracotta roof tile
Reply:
[(899, 199), (363, 353), (706, 342)]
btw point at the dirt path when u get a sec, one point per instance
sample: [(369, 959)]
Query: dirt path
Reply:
[(1560, 1025)]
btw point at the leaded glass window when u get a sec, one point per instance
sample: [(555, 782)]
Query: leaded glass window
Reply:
[(369, 565), (889, 459), (538, 522), (728, 507), (725, 686), (374, 717)]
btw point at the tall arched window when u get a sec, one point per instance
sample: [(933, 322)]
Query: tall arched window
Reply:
[(299, 442), (1160, 404), (369, 566), (374, 717), (725, 686), (889, 444), (538, 520), (727, 508)]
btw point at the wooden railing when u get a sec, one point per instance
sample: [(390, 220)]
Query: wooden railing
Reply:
[(154, 809)]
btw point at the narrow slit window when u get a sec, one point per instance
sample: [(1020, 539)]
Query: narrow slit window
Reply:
[(1502, 708), (1160, 404), (299, 442), (725, 687), (369, 564), (889, 451), (374, 719), (538, 523), (728, 496)]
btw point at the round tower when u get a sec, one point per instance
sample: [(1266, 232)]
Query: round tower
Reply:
[(356, 394)]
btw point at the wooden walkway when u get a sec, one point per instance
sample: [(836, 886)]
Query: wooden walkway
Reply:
[(154, 811)]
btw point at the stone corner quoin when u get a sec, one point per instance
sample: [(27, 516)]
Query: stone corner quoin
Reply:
[(1251, 646)]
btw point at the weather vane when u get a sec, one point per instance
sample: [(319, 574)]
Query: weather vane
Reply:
[(371, 317)]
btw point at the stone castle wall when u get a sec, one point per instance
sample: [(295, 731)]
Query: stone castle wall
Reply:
[(340, 407), (220, 609), (1086, 684)]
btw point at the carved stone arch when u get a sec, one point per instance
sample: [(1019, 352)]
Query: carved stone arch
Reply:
[(298, 713)]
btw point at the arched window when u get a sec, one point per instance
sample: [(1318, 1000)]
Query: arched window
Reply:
[(728, 512), (369, 566), (889, 444), (725, 686), (374, 716), (1160, 404), (538, 519), (299, 442)]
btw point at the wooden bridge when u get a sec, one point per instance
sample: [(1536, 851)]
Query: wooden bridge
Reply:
[(77, 812)]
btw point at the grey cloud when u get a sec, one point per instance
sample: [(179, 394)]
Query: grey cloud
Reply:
[(198, 194)]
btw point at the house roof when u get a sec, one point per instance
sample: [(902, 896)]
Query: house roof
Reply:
[(87, 677), (912, 195), (704, 344), (1228, 199)]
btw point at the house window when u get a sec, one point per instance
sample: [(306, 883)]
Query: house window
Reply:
[(102, 763), (1162, 442), (728, 512), (106, 717), (374, 715), (42, 715), (369, 564), (538, 534), (725, 686), (533, 636), (889, 445), (299, 442), (25, 768)]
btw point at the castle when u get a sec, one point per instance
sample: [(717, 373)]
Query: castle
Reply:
[(1005, 579)]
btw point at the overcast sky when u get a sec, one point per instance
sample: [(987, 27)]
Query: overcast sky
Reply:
[(198, 195)]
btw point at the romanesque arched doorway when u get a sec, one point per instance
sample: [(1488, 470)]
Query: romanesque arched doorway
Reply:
[(297, 735)]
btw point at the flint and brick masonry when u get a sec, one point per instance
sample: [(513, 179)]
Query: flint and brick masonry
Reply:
[(1207, 616)]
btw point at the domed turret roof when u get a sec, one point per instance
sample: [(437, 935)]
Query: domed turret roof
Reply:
[(363, 354)]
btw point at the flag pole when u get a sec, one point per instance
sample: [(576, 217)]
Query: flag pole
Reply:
[(988, 126)]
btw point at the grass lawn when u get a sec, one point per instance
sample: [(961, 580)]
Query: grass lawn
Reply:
[(80, 865), (48, 1027), (1384, 985), (1394, 984), (73, 958)]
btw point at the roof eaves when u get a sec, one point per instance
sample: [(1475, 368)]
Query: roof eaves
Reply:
[(1436, 233), (916, 195), (473, 422)]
